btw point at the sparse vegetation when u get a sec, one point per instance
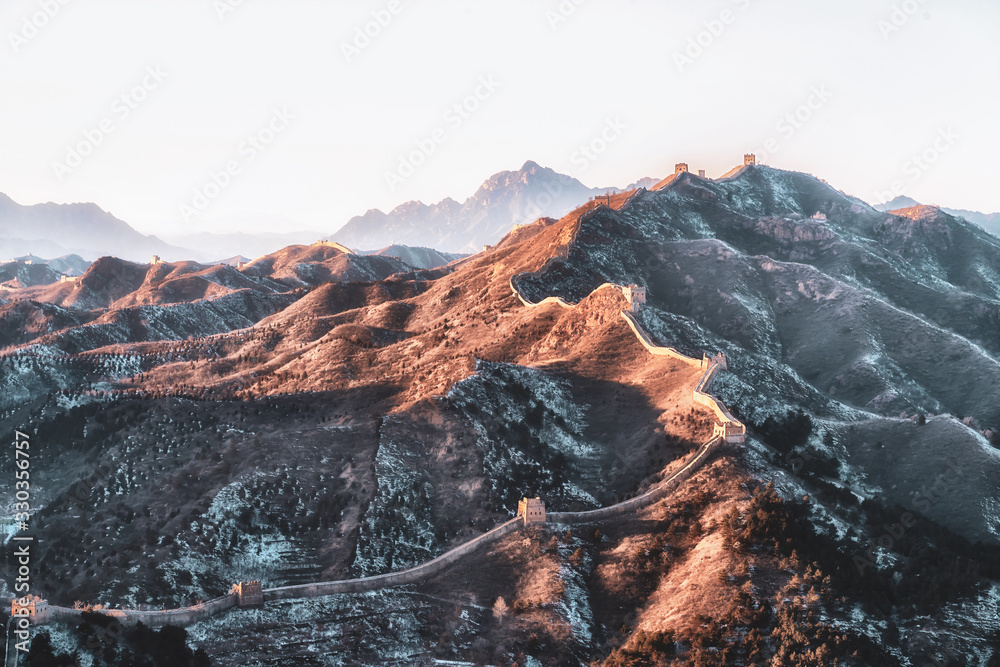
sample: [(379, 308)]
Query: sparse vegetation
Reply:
[(109, 644), (788, 432)]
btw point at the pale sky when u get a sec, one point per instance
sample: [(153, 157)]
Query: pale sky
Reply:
[(136, 105)]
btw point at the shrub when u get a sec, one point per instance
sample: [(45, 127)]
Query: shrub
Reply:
[(788, 432)]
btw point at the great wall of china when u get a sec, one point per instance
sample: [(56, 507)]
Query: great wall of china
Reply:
[(727, 429)]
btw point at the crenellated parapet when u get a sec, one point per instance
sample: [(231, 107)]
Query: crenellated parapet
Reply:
[(248, 593)]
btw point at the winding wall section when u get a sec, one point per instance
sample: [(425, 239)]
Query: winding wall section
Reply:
[(727, 429)]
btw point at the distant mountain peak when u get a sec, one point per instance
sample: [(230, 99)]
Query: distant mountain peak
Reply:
[(54, 230), (503, 200), (409, 207), (900, 202), (531, 171)]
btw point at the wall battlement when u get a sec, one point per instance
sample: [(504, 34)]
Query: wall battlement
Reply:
[(323, 243)]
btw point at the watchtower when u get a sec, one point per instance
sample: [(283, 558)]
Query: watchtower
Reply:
[(532, 510), (732, 432), (749, 160), (701, 173), (248, 593), (680, 167), (636, 297), (32, 606), (720, 359), (155, 260)]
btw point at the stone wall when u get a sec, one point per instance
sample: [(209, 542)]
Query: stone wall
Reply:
[(596, 208), (712, 366), (728, 428), (153, 618), (701, 396), (654, 495), (410, 576), (663, 351)]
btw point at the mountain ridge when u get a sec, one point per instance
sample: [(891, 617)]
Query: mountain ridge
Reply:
[(360, 427), (505, 199), (85, 229), (988, 221)]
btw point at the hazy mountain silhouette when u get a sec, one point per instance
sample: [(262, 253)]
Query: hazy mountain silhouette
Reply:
[(505, 199), (54, 230)]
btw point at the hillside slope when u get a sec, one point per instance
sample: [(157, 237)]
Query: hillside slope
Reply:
[(360, 426)]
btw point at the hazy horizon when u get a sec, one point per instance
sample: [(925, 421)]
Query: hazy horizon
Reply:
[(260, 228), (235, 116)]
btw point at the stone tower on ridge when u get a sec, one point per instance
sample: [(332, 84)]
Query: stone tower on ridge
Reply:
[(532, 510), (248, 593), (32, 606), (636, 296)]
